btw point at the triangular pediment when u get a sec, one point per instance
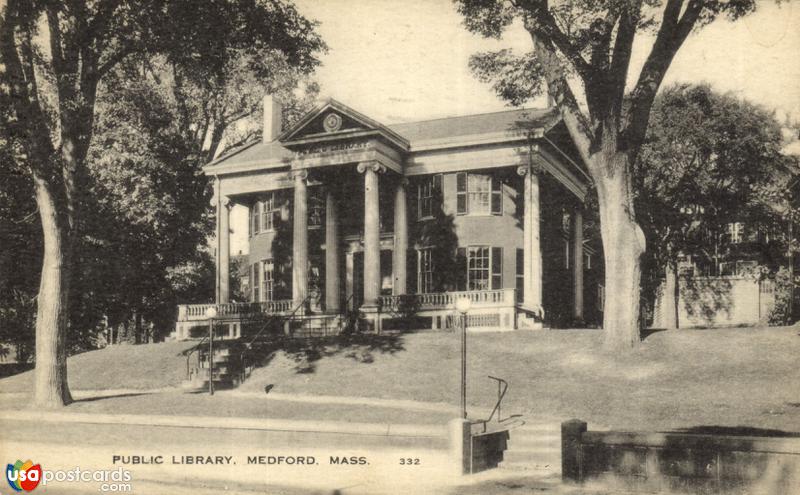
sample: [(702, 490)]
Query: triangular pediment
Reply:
[(334, 121)]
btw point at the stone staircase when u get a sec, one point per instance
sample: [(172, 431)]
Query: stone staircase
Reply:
[(230, 362), (534, 448)]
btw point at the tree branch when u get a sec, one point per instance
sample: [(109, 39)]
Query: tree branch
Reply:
[(671, 35), (559, 90), (546, 27)]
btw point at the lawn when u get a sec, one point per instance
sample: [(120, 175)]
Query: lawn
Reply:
[(679, 379), (137, 367)]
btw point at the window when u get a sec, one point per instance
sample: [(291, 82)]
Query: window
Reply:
[(478, 194), (736, 232), (316, 212), (424, 271), (478, 268), (268, 280), (269, 212), (426, 194), (484, 268), (256, 285), (263, 214)]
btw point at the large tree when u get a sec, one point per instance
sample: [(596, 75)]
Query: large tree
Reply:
[(582, 57), (54, 55)]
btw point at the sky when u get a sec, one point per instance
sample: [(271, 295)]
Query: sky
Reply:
[(399, 61)]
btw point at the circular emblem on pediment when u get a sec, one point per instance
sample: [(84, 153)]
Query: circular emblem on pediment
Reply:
[(332, 122)]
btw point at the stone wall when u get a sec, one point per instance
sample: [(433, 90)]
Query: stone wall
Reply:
[(680, 462)]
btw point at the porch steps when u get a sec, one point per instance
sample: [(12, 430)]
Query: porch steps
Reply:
[(534, 447)]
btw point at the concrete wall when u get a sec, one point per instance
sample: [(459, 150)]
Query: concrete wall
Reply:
[(680, 462), (717, 301)]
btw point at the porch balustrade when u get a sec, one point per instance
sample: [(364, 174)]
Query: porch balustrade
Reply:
[(447, 300), (197, 312)]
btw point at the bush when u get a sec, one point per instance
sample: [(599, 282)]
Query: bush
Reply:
[(781, 310)]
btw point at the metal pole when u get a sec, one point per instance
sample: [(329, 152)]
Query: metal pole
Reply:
[(211, 356), (464, 365)]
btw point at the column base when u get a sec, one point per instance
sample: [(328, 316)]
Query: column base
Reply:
[(372, 316)]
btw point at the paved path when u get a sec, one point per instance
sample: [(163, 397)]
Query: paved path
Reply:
[(532, 461)]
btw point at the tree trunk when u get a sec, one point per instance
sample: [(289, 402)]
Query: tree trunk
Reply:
[(137, 328), (623, 245), (51, 389), (670, 298)]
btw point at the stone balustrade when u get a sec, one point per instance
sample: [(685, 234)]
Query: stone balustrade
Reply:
[(447, 300), (197, 312)]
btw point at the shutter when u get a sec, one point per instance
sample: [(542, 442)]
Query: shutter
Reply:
[(256, 217), (497, 268), (438, 194), (461, 274), (254, 283), (250, 222), (461, 193), (497, 196)]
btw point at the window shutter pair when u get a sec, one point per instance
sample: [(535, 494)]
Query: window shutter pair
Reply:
[(497, 268), (462, 206)]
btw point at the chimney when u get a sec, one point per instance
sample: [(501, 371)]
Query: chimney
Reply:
[(273, 118)]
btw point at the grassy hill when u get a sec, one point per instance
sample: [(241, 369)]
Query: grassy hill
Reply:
[(678, 379), (137, 367)]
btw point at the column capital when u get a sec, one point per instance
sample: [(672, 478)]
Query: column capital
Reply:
[(301, 174), (531, 168), (374, 166), (403, 182), (227, 202)]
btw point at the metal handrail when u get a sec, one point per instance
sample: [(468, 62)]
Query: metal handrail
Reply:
[(284, 317), (249, 345), (502, 388), (189, 355)]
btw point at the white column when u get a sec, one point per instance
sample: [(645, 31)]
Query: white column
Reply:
[(348, 281), (300, 239), (223, 247), (577, 265), (532, 300), (331, 254), (372, 248), (399, 262)]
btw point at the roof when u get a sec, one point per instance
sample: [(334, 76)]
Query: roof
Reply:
[(436, 129), (467, 125)]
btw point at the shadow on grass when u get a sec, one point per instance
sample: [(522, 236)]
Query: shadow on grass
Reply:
[(115, 396), (306, 353)]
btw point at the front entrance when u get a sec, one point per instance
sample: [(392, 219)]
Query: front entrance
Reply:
[(354, 274)]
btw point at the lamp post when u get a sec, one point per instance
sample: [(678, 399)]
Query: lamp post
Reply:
[(211, 313), (462, 306)]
